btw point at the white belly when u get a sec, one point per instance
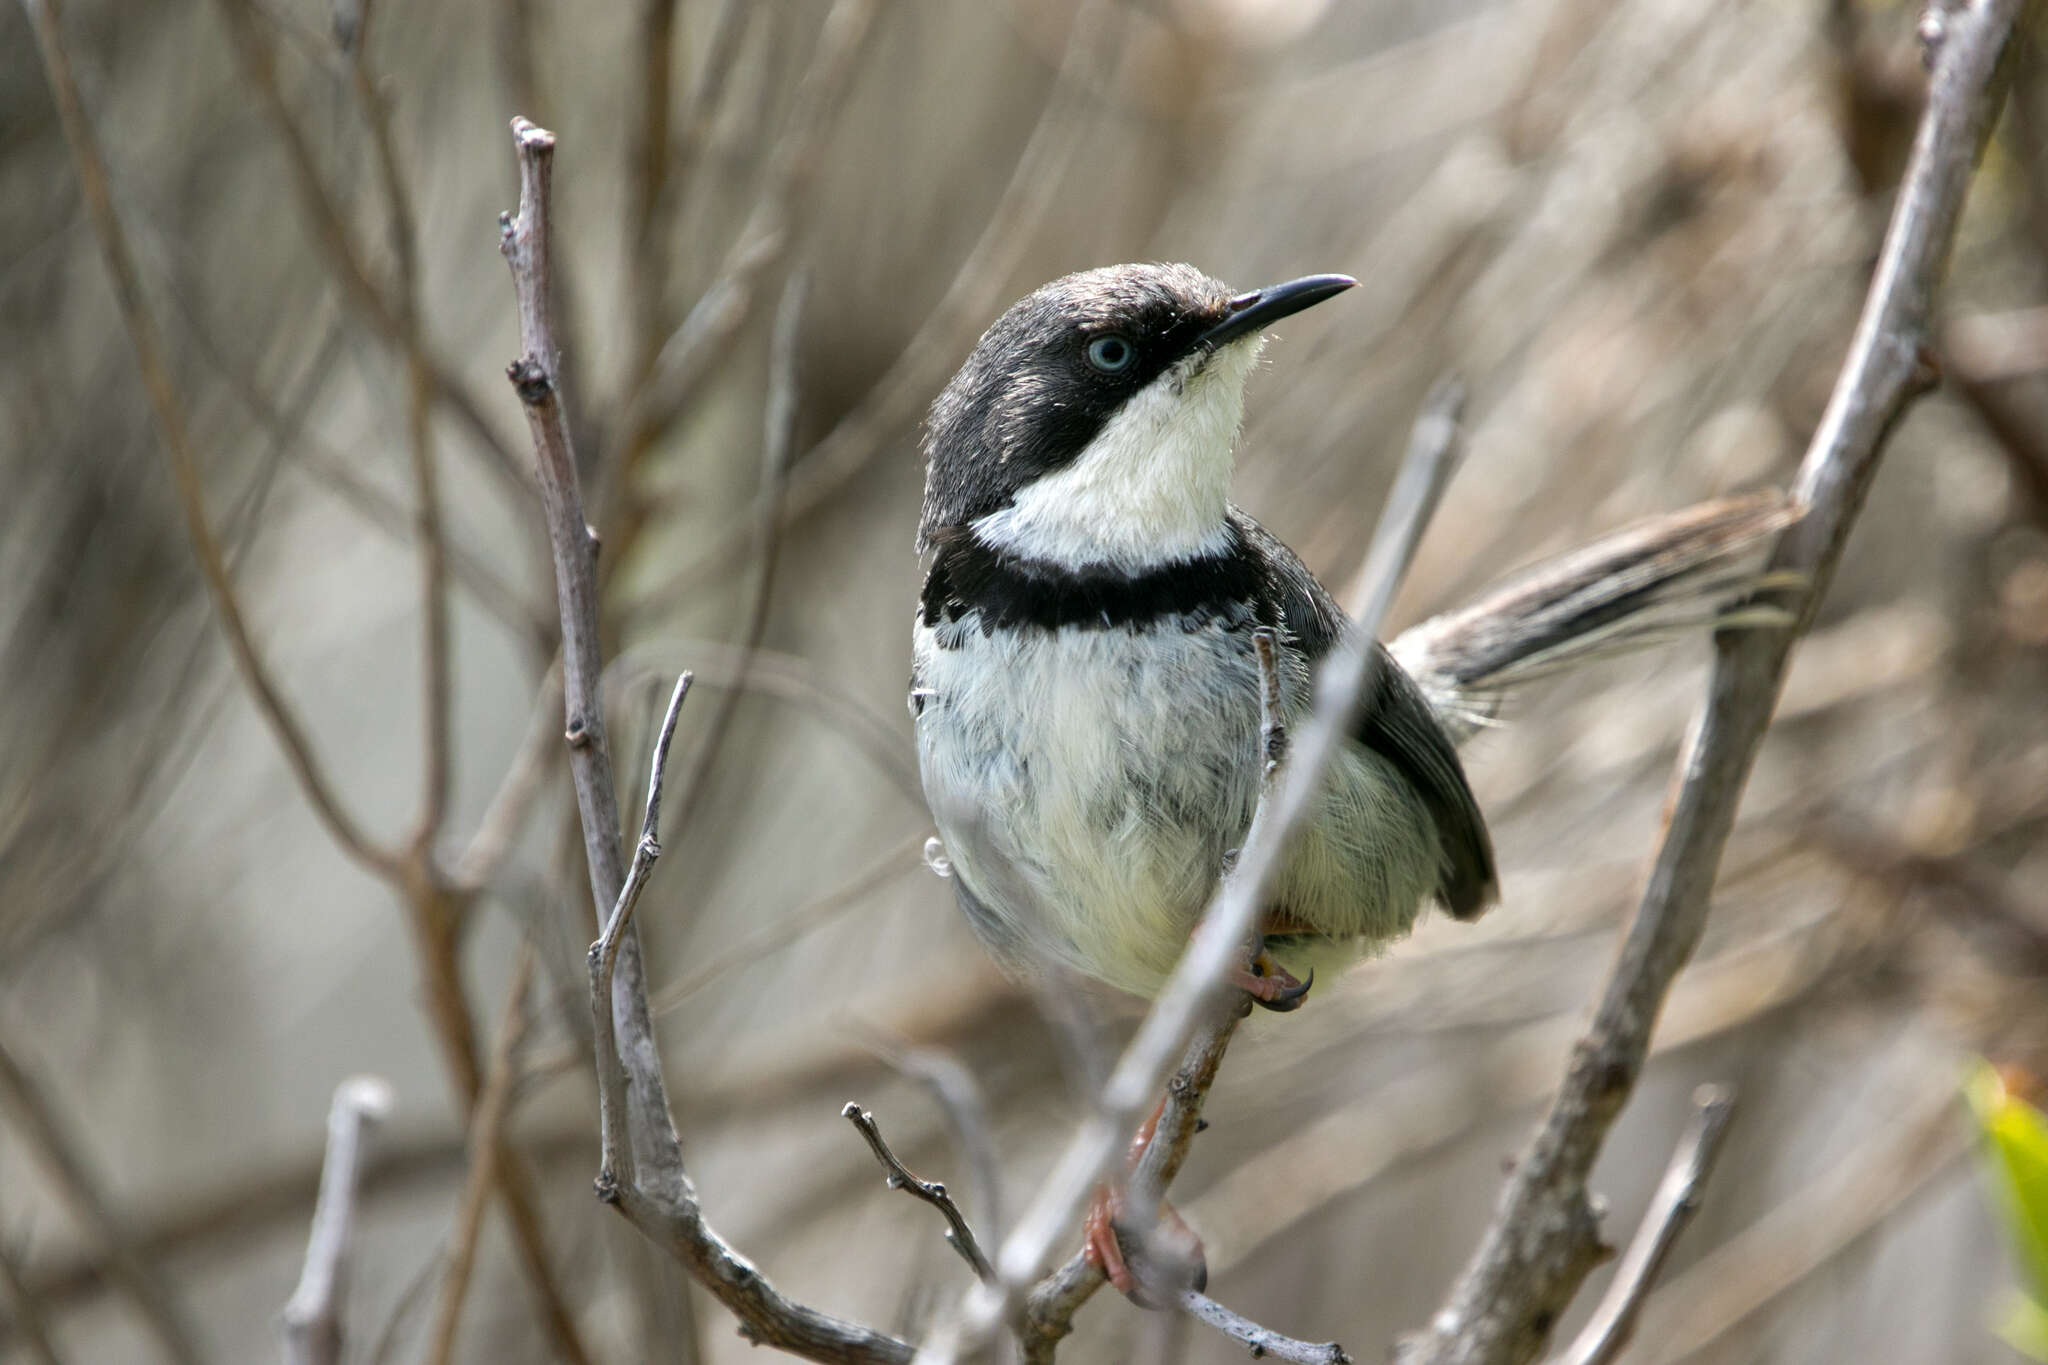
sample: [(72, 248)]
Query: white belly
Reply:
[(1088, 784)]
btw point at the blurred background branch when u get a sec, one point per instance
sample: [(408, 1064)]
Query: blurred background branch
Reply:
[(1640, 229)]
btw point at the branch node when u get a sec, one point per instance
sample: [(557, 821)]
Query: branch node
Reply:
[(1926, 375), (530, 379), (1932, 28)]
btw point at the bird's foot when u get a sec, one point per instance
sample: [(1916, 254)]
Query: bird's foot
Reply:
[(1170, 1260), (1270, 985)]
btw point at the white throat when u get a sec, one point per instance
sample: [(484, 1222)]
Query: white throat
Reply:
[(1152, 488)]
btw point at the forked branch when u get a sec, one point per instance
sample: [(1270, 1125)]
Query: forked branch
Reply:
[(644, 1175), (1545, 1237)]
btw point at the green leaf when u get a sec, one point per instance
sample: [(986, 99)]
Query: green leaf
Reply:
[(2024, 1325), (2016, 1134)]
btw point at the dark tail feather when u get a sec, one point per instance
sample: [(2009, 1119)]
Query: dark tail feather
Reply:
[(1654, 581)]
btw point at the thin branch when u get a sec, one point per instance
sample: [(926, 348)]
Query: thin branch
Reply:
[(793, 679), (655, 1193), (687, 356), (648, 849), (173, 428), (389, 321), (62, 1154), (1197, 997), (1545, 1236), (1672, 1206), (1261, 1341), (959, 1235), (438, 687), (437, 912), (959, 1097), (486, 1131), (313, 1314), (1434, 450), (647, 182), (785, 930), (336, 472), (778, 444), (707, 95), (895, 399), (1331, 1158), (1918, 1142), (505, 817)]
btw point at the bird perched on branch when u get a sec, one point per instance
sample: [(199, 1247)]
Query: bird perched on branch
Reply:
[(1085, 682)]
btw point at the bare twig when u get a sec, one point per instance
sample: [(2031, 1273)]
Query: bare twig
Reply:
[(435, 907), (701, 105), (486, 1129), (1917, 1144), (647, 180), (799, 682), (1322, 1162), (1435, 448), (895, 399), (313, 1314), (1545, 1237), (438, 696), (785, 930), (1192, 1017), (62, 1154), (686, 357), (173, 427), (654, 1192), (510, 805), (648, 849), (959, 1096), (1260, 1341), (959, 1235), (1672, 1206), (389, 320), (777, 445)]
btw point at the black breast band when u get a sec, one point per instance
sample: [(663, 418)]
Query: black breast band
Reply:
[(1002, 590)]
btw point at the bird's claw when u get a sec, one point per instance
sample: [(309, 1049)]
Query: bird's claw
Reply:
[(1099, 1244), (1172, 1262), (1272, 986)]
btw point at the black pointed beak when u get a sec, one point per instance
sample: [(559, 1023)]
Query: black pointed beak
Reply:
[(1259, 309)]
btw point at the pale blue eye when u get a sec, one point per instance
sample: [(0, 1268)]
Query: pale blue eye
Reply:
[(1111, 354)]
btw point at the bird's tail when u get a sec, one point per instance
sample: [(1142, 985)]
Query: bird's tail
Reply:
[(1647, 583)]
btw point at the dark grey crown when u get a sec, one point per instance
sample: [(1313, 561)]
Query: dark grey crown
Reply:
[(1028, 400)]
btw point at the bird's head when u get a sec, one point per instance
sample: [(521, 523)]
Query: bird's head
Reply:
[(1094, 422)]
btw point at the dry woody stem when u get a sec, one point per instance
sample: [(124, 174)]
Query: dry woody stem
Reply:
[(313, 1314), (643, 1173), (959, 1235), (1545, 1236)]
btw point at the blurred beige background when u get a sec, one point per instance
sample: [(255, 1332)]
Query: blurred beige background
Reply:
[(1641, 230)]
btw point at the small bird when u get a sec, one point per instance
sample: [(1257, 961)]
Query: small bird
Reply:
[(1085, 683)]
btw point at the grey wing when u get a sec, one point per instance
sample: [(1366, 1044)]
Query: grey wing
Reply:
[(1397, 723)]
